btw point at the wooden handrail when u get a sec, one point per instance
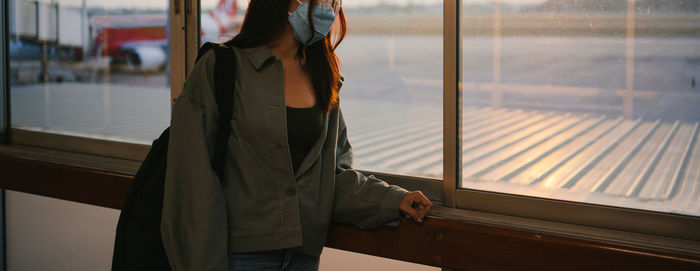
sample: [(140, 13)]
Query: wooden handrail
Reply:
[(442, 242)]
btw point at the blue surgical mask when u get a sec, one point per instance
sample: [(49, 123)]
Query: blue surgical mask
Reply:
[(323, 20)]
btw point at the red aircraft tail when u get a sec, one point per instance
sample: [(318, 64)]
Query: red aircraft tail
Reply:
[(228, 6)]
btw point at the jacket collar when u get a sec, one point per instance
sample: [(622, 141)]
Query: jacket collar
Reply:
[(258, 56)]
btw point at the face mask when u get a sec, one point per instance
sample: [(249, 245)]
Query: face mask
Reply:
[(323, 20)]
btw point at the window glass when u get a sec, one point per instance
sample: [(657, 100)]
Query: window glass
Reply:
[(392, 93), (220, 20), (591, 101), (90, 68)]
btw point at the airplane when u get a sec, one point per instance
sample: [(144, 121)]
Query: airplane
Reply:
[(138, 42)]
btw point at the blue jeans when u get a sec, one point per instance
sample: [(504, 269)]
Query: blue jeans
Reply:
[(278, 260)]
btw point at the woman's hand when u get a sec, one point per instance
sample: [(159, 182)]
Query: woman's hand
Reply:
[(415, 205)]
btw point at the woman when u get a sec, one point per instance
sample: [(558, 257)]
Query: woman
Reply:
[(288, 164)]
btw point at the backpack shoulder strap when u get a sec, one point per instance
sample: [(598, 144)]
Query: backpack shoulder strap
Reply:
[(205, 47), (224, 79), (224, 86)]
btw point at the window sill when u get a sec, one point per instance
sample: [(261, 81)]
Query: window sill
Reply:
[(449, 238), (118, 165)]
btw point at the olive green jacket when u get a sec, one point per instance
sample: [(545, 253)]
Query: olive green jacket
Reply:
[(260, 203)]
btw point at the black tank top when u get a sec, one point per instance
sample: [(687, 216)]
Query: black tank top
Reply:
[(304, 126)]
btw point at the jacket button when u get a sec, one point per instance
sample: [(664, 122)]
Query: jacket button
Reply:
[(291, 191)]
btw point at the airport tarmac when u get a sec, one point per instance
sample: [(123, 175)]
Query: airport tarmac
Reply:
[(404, 67)]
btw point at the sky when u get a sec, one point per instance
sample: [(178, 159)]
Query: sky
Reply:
[(160, 4)]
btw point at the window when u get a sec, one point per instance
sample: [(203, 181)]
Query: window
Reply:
[(89, 69), (537, 107), (582, 101)]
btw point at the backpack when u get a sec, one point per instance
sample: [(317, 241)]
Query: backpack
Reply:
[(138, 244)]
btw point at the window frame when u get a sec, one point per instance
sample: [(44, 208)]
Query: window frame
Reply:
[(184, 23), (4, 114), (452, 113), (4, 75), (184, 42)]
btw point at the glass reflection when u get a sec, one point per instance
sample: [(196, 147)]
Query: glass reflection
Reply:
[(600, 98), (90, 68)]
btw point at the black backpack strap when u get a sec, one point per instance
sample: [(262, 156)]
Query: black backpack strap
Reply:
[(206, 47), (224, 80)]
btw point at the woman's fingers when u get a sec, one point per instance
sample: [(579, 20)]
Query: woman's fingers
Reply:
[(412, 214), (425, 204), (407, 206), (415, 205)]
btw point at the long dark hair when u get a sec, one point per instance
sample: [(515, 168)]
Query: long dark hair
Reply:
[(265, 21)]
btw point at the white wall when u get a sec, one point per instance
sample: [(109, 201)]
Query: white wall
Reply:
[(340, 260), (69, 27), (51, 234), (24, 19), (47, 22)]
